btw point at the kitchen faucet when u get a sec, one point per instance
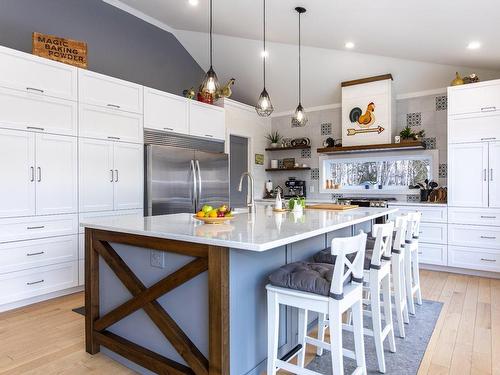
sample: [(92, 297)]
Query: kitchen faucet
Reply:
[(251, 203)]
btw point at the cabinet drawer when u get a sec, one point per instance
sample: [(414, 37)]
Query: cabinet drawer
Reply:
[(433, 254), (206, 121), (89, 215), (17, 256), (433, 233), (474, 128), (25, 72), (25, 111), (474, 258), (109, 124), (81, 272), (16, 286), (477, 216), (474, 236), (157, 104), (27, 228), (431, 214), (105, 91), (474, 98)]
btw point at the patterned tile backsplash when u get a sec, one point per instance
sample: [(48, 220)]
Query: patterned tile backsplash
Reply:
[(441, 103), (305, 153), (413, 198), (414, 119), (430, 143), (315, 174), (326, 128), (443, 170)]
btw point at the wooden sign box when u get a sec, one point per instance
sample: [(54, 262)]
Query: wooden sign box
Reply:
[(68, 51)]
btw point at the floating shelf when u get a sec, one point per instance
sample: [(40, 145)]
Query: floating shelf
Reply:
[(287, 148), (288, 169), (413, 145)]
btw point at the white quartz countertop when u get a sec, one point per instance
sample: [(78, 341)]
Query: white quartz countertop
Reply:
[(260, 231)]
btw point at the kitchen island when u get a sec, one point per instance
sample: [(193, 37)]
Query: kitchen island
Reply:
[(168, 294)]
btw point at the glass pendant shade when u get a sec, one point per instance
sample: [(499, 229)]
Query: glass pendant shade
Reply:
[(299, 118), (264, 106), (210, 84)]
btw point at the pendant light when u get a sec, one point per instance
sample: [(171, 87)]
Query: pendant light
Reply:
[(299, 118), (264, 106), (210, 84)]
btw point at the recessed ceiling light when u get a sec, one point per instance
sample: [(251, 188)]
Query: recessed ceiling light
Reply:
[(194, 2), (474, 45), (349, 45), (264, 54)]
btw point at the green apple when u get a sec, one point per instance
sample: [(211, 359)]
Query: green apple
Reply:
[(206, 208)]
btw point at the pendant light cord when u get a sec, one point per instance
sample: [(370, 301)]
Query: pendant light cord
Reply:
[(211, 16), (300, 67), (265, 56)]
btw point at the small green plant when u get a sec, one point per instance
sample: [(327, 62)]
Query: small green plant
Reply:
[(274, 137), (296, 201), (408, 133)]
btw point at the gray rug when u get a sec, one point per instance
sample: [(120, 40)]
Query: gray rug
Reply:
[(409, 351)]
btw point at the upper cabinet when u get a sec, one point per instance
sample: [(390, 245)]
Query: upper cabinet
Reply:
[(474, 128), (207, 121), (167, 112), (480, 97), (105, 91), (36, 75)]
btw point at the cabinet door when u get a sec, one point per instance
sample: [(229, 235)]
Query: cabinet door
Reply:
[(17, 168), (129, 182), (96, 175), (167, 112), (474, 128), (25, 111), (206, 121), (475, 98), (56, 174), (494, 174), (468, 175)]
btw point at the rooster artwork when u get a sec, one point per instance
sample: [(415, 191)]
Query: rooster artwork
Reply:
[(364, 120)]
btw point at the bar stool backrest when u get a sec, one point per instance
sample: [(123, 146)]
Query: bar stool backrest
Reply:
[(400, 229), (383, 243), (413, 225), (344, 268)]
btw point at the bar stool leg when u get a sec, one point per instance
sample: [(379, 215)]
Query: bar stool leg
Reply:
[(409, 284), (386, 291), (336, 348), (272, 332), (416, 276), (359, 337), (398, 297), (321, 332), (377, 322), (404, 301), (302, 327)]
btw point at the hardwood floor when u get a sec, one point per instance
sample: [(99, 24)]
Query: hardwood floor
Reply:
[(48, 338)]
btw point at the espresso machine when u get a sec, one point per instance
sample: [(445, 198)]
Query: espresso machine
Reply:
[(295, 188)]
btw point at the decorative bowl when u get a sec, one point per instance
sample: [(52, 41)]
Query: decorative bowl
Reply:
[(214, 220)]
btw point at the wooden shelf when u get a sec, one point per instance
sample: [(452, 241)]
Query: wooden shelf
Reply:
[(287, 148), (413, 145), (288, 169)]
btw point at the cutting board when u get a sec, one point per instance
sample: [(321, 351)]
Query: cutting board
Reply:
[(331, 206)]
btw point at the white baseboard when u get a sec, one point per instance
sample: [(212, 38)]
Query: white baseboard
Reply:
[(461, 271), (44, 297)]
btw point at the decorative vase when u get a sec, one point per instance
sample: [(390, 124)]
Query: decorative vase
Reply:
[(424, 195), (274, 145)]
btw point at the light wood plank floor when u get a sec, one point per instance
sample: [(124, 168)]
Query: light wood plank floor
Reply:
[(47, 338)]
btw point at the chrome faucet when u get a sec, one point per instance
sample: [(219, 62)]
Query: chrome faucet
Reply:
[(251, 202)]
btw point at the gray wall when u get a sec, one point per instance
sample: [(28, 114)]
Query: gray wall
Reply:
[(119, 44)]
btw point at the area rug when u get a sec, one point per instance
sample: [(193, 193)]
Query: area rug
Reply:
[(409, 351), (80, 310)]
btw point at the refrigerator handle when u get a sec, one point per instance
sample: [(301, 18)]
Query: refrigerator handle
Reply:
[(194, 198), (199, 179)]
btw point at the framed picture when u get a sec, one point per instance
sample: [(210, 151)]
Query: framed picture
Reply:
[(289, 163), (259, 159)]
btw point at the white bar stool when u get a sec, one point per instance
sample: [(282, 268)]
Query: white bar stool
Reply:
[(412, 269), (345, 292)]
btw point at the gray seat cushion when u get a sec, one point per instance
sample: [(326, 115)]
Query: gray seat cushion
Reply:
[(308, 277)]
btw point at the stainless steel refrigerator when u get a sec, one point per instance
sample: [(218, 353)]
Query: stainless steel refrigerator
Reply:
[(181, 180)]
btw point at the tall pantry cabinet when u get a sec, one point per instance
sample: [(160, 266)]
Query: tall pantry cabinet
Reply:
[(59, 127), (473, 176)]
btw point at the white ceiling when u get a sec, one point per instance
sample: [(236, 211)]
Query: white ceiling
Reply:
[(424, 30)]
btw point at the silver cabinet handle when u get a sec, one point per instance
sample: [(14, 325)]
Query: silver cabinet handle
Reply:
[(112, 175), (116, 177), (491, 174), (488, 217), (35, 128), (488, 109), (32, 174), (113, 105), (170, 129), (209, 135), (488, 139), (488, 260), (34, 89), (35, 282), (488, 237), (38, 227), (117, 138), (39, 169), (33, 254)]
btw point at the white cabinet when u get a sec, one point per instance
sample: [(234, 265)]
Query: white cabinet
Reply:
[(17, 168), (431, 213), (430, 253), (105, 123), (111, 175), (206, 121), (474, 216), (105, 91), (25, 111), (494, 174), (56, 174), (468, 174), (474, 128), (474, 258), (474, 235), (37, 75), (25, 228), (474, 98), (166, 112)]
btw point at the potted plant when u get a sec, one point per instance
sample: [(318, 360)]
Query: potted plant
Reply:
[(274, 138), (408, 135)]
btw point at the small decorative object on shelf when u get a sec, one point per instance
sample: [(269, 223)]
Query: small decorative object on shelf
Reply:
[(408, 135), (289, 163), (457, 81), (471, 78), (189, 93), (397, 139), (225, 91), (274, 138), (67, 51), (300, 142), (205, 97), (329, 142), (426, 189)]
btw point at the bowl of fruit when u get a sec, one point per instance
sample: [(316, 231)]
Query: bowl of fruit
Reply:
[(210, 215)]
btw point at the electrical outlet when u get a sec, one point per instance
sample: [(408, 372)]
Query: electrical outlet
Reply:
[(157, 259)]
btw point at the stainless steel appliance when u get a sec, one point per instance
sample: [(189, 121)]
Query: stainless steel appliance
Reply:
[(183, 180), (295, 188), (368, 202)]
